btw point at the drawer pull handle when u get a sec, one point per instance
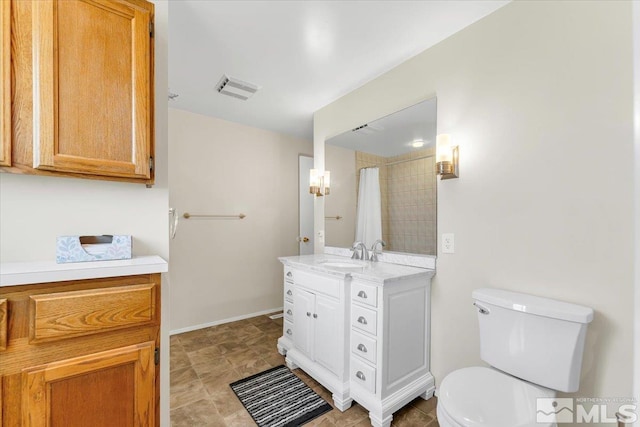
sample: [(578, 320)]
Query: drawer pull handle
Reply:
[(289, 274), (362, 294), (315, 316), (289, 312), (289, 332), (289, 292), (361, 376), (362, 320), (308, 314), (362, 348)]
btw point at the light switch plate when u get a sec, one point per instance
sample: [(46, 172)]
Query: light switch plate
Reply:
[(448, 244)]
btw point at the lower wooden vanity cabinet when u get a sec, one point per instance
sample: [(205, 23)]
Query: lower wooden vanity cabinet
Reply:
[(81, 353)]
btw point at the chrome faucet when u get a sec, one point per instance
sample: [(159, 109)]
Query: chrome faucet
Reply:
[(374, 255), (364, 255)]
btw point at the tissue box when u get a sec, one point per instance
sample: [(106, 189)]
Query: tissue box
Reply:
[(92, 248)]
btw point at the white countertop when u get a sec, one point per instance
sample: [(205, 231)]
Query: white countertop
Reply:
[(380, 272), (24, 273)]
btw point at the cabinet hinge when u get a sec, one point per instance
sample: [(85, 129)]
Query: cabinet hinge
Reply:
[(151, 28), (156, 356), (150, 163)]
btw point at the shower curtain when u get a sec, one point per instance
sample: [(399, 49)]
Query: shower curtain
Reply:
[(369, 219)]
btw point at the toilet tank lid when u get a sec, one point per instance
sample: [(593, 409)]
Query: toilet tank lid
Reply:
[(534, 305)]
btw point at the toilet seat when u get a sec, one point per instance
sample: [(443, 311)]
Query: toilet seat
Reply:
[(486, 397)]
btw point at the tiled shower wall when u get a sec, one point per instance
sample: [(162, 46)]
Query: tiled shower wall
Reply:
[(408, 193)]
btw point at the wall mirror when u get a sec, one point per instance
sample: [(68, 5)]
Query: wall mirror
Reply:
[(398, 153)]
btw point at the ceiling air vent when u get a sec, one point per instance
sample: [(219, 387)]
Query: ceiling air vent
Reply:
[(236, 88), (368, 128)]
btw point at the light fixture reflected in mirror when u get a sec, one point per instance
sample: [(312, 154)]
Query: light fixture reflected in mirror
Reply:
[(446, 157), (319, 182)]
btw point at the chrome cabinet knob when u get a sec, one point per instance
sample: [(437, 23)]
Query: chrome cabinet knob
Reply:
[(315, 316), (362, 320), (289, 292), (361, 376), (289, 311), (289, 274), (289, 332), (362, 348), (362, 294), (308, 314)]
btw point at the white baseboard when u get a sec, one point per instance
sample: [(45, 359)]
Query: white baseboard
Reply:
[(223, 321)]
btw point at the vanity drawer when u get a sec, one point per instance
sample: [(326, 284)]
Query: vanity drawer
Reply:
[(287, 329), (288, 274), (363, 346), (365, 294), (319, 283), (288, 292), (288, 311), (364, 319), (363, 374), (76, 313)]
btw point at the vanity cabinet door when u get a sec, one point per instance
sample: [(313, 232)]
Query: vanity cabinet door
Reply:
[(5, 83), (92, 72), (303, 309), (325, 338), (110, 388)]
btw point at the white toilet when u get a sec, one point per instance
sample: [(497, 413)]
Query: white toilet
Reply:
[(535, 348)]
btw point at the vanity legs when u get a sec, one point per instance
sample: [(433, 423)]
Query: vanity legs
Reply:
[(380, 421), (341, 402)]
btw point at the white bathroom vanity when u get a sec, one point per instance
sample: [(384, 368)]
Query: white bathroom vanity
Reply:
[(359, 328)]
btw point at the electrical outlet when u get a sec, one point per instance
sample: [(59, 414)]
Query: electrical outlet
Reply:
[(321, 236), (448, 246)]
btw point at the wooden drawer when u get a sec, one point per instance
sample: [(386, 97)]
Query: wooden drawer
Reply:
[(288, 292), (363, 346), (288, 329), (288, 311), (364, 319), (75, 313), (365, 294), (363, 374)]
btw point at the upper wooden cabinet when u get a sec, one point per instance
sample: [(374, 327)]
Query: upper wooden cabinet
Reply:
[(83, 88), (5, 83)]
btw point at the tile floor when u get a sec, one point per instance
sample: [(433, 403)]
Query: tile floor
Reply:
[(204, 362)]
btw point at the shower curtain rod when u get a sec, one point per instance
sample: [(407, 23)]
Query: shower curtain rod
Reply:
[(396, 162)]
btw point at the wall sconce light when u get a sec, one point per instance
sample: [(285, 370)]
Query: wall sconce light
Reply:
[(319, 182), (446, 157)]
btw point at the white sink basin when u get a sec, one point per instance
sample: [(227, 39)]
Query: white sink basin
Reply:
[(342, 264)]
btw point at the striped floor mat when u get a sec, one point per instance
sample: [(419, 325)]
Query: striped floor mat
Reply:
[(278, 398)]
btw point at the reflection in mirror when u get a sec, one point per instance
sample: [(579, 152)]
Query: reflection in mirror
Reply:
[(400, 148)]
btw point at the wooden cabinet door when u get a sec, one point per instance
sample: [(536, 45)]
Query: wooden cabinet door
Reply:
[(5, 83), (110, 388), (92, 76), (326, 333)]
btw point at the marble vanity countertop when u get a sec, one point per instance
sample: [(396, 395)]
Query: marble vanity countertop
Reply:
[(379, 272), (24, 273)]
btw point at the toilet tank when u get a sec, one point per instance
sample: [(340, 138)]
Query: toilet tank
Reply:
[(536, 339)]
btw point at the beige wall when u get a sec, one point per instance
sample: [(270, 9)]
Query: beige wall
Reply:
[(223, 269), (341, 163), (34, 210), (538, 101)]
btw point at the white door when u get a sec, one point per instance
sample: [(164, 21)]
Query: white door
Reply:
[(305, 200), (303, 310)]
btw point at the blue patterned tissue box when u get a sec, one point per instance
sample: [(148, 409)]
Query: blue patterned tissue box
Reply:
[(92, 248)]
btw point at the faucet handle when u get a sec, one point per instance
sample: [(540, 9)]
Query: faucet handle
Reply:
[(374, 254)]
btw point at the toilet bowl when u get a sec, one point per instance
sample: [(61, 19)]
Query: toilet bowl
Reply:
[(486, 397), (535, 347)]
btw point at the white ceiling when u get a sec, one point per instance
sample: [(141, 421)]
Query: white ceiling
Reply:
[(302, 54)]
